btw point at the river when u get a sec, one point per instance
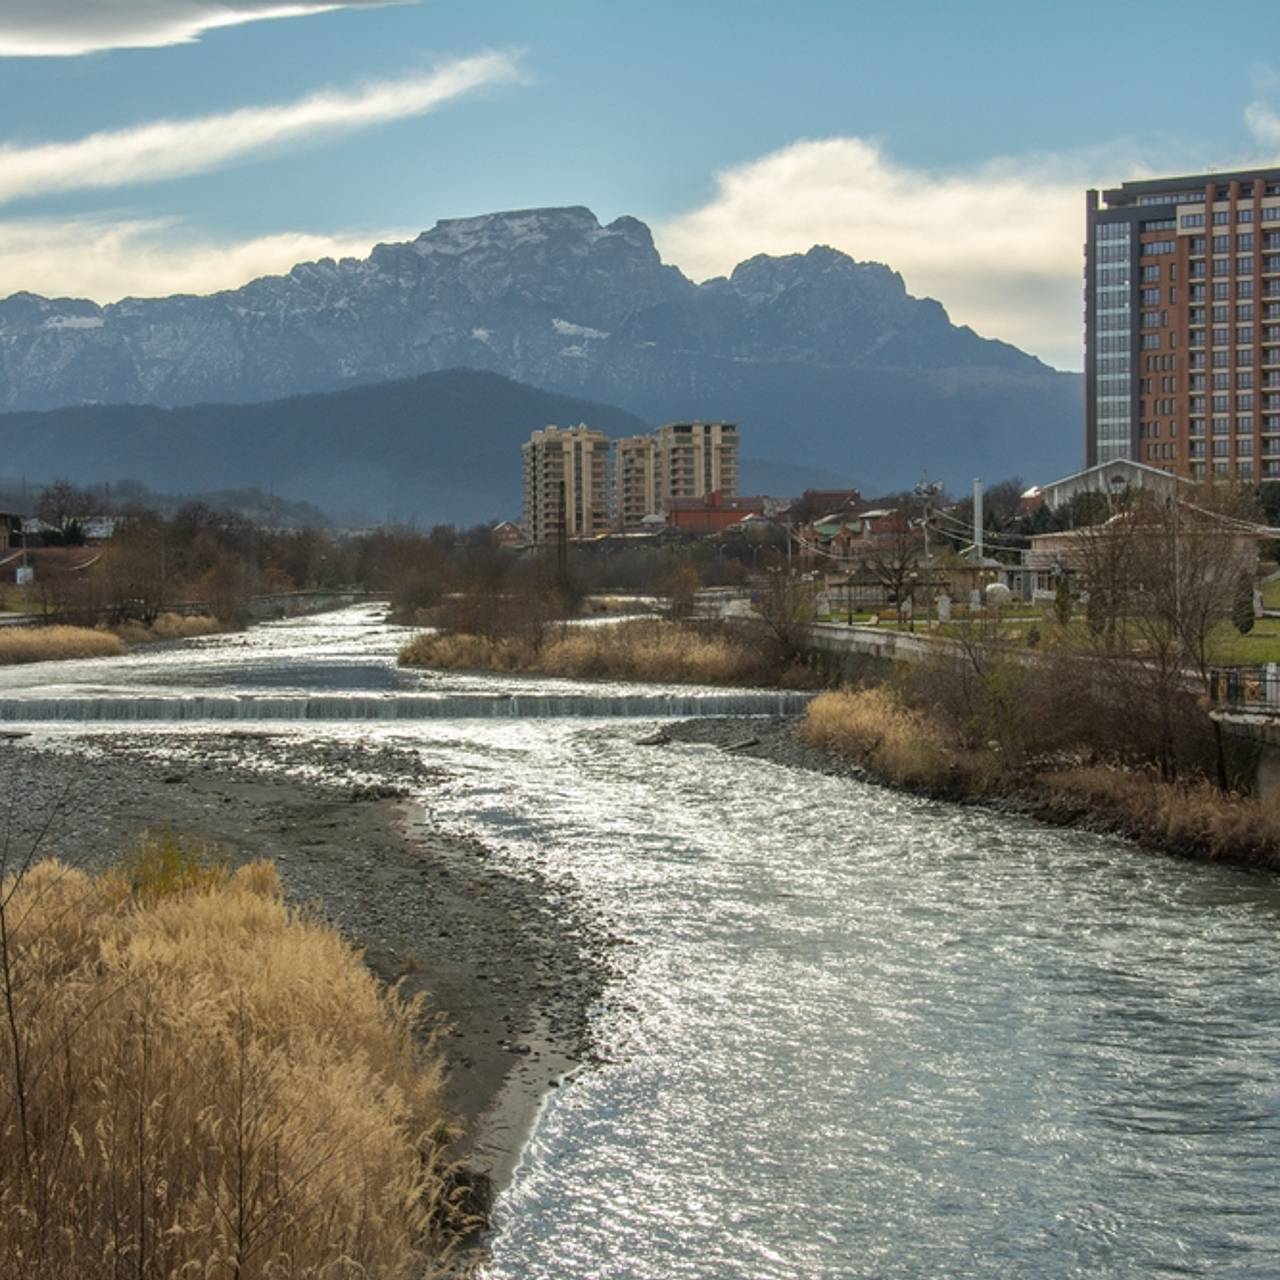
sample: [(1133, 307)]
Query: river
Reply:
[(855, 1034)]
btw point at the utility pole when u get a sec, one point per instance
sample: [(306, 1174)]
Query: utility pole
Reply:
[(925, 490), (977, 522)]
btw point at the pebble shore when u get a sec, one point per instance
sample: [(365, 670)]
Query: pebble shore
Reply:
[(511, 964)]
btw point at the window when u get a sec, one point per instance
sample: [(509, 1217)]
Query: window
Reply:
[(1151, 275), (1196, 382), (1244, 288), (1221, 218), (1244, 333), (1222, 244), (1244, 379), (1271, 214), (1244, 470), (1244, 311), (1196, 293), (1222, 266), (1221, 358), (1244, 215), (1192, 220), (1196, 449), (1245, 401), (1151, 319), (1151, 297), (1221, 290), (1150, 342), (1244, 357), (1244, 242), (1153, 247), (1244, 424), (1197, 404), (1160, 224), (1244, 266), (1221, 337), (1271, 355), (1222, 382), (1222, 448), (1222, 404)]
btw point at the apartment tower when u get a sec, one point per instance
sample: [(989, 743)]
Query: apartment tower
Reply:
[(635, 480), (695, 459), (1182, 324), (566, 483)]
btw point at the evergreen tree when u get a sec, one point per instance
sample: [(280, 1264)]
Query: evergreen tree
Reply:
[(1242, 603), (1062, 601)]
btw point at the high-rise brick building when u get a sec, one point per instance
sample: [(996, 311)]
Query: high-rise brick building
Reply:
[(1182, 324), (697, 458)]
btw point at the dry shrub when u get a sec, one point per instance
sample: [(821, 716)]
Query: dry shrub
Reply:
[(650, 650), (458, 651), (874, 727), (168, 626), (1186, 816), (43, 644), (641, 649), (183, 626), (196, 1079)]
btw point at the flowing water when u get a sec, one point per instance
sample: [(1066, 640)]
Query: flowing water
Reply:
[(862, 1034)]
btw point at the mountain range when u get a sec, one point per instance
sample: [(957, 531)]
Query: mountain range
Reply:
[(825, 362), (440, 448)]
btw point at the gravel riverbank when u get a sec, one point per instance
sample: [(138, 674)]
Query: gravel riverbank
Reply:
[(510, 964)]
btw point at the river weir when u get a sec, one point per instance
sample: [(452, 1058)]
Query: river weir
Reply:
[(852, 1033)]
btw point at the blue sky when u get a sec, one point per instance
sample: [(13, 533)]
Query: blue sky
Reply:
[(952, 141)]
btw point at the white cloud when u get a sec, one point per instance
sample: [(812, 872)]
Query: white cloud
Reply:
[(109, 260), (998, 244), (1263, 123), (63, 28), (174, 148)]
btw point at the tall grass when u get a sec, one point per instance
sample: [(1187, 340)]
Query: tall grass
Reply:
[(43, 644), (168, 626), (641, 649), (875, 728), (197, 1080), (1191, 816)]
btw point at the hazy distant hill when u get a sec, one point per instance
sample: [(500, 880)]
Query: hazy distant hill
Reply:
[(824, 361), (440, 448)]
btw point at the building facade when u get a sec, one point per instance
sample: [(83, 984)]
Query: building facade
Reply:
[(1182, 325), (635, 481), (695, 459), (566, 483)]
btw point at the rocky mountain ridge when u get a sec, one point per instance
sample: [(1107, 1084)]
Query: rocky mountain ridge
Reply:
[(546, 296), (815, 354)]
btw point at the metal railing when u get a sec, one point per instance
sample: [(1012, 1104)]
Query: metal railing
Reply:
[(1246, 688)]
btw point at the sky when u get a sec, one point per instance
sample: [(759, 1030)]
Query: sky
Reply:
[(159, 146)]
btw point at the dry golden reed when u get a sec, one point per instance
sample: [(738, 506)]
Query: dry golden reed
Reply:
[(197, 1080), (873, 727), (43, 644), (1190, 815), (651, 650), (168, 626)]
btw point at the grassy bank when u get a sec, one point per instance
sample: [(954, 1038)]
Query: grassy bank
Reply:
[(880, 730), (48, 644), (643, 649), (44, 644), (199, 1080)]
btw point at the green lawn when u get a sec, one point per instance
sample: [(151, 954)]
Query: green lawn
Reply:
[(1262, 644)]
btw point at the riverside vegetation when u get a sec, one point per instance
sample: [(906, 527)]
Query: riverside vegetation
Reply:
[(60, 641), (198, 1079)]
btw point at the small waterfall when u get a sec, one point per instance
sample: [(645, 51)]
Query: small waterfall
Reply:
[(402, 707)]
